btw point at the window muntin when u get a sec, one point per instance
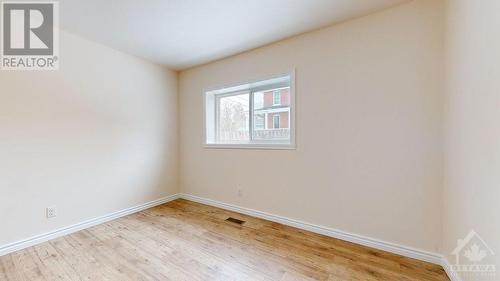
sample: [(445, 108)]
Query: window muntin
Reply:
[(248, 114)]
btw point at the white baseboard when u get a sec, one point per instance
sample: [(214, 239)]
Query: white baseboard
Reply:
[(339, 234), (342, 235), (16, 246), (445, 263)]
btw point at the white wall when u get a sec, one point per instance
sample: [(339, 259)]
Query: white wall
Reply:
[(472, 122), (97, 136), (369, 129)]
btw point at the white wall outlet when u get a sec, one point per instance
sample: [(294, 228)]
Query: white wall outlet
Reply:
[(51, 212)]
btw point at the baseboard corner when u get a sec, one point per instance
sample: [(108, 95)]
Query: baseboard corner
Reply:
[(445, 263)]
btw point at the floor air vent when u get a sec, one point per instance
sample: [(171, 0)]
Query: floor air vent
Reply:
[(235, 221)]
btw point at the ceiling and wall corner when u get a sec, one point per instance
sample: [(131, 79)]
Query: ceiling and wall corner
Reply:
[(181, 34)]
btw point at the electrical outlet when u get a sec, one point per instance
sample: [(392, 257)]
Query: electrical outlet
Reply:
[(51, 212)]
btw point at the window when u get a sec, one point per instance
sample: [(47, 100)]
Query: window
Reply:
[(260, 121), (276, 121), (276, 97), (246, 115)]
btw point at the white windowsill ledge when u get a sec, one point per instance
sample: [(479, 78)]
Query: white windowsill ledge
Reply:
[(252, 146)]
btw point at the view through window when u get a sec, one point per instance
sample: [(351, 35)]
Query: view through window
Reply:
[(254, 113)]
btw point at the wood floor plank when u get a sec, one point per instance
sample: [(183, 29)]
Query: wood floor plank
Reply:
[(183, 240), (9, 269), (83, 262), (3, 272), (173, 249), (270, 258), (234, 254), (30, 270), (151, 258), (53, 262)]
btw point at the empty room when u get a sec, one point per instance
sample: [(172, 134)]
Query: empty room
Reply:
[(281, 140)]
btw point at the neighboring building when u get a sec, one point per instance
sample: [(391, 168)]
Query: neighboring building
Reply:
[(274, 110)]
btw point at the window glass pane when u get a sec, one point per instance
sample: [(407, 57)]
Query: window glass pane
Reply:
[(276, 121), (271, 110), (259, 122), (233, 124), (276, 97)]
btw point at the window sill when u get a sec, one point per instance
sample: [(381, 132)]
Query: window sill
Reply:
[(252, 146)]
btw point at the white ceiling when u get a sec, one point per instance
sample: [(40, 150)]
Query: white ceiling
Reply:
[(184, 33)]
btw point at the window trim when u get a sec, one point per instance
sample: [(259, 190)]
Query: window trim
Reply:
[(253, 145)]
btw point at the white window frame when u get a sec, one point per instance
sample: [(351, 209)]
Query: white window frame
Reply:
[(253, 144)]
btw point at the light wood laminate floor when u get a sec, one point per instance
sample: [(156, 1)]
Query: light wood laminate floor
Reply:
[(182, 240)]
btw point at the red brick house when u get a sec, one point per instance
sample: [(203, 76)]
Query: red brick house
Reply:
[(274, 112)]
